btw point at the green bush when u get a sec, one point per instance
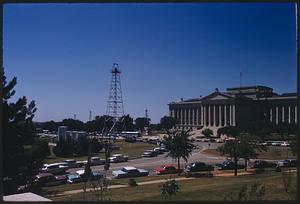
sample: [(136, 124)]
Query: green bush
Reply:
[(132, 182)]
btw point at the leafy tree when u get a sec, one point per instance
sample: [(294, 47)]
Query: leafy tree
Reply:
[(103, 123), (207, 133), (155, 127), (167, 122), (81, 147), (169, 188), (125, 123), (19, 162), (64, 148), (72, 124), (141, 123), (50, 125), (178, 144), (243, 146)]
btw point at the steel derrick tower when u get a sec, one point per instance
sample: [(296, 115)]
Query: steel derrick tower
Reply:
[(115, 102)]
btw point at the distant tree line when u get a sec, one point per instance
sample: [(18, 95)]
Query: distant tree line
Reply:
[(105, 122), (264, 130)]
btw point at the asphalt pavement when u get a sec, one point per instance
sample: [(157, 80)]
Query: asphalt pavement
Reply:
[(152, 162)]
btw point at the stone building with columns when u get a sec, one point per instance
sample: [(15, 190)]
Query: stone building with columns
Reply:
[(235, 106)]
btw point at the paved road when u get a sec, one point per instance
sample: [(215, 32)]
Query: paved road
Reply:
[(152, 162)]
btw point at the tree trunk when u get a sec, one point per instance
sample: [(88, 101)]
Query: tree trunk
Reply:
[(178, 163), (235, 166), (246, 162)]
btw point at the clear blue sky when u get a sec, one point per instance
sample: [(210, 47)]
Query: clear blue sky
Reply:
[(62, 53)]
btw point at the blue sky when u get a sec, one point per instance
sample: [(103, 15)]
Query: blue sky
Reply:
[(62, 53)]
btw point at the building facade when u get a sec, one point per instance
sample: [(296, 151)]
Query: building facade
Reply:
[(235, 106)]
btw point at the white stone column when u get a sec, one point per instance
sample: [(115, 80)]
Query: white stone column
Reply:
[(204, 112), (296, 114), (181, 116), (214, 122), (220, 116), (202, 115), (189, 116), (289, 114), (225, 114), (185, 121), (197, 118), (276, 114), (282, 114), (271, 115), (194, 118), (233, 115), (230, 115), (209, 115)]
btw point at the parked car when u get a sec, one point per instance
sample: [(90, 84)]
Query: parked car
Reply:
[(262, 164), (48, 179), (158, 150), (198, 166), (167, 169), (81, 163), (287, 163), (71, 163), (97, 161), (285, 144), (55, 168), (74, 178), (118, 158), (129, 172), (61, 179), (149, 153), (95, 175), (228, 165), (163, 149), (153, 141), (130, 139)]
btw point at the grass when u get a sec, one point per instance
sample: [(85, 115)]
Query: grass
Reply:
[(122, 181), (273, 152), (132, 150), (215, 188)]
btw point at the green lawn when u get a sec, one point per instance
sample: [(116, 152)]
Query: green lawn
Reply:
[(199, 189), (273, 152), (133, 150)]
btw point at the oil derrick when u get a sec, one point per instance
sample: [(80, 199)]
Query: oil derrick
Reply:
[(115, 101)]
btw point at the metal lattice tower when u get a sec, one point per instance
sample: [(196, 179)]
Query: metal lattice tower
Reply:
[(115, 102)]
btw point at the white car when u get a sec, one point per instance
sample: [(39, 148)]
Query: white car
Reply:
[(118, 158), (285, 144), (71, 163), (129, 172), (97, 161), (55, 168)]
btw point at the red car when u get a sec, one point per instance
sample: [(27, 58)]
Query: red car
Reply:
[(167, 169)]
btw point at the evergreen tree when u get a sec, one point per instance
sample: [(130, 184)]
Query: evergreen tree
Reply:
[(21, 157)]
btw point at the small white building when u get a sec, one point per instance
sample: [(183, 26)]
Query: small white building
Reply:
[(21, 197), (62, 132), (74, 135)]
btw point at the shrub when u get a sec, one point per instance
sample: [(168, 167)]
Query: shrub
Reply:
[(132, 182)]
